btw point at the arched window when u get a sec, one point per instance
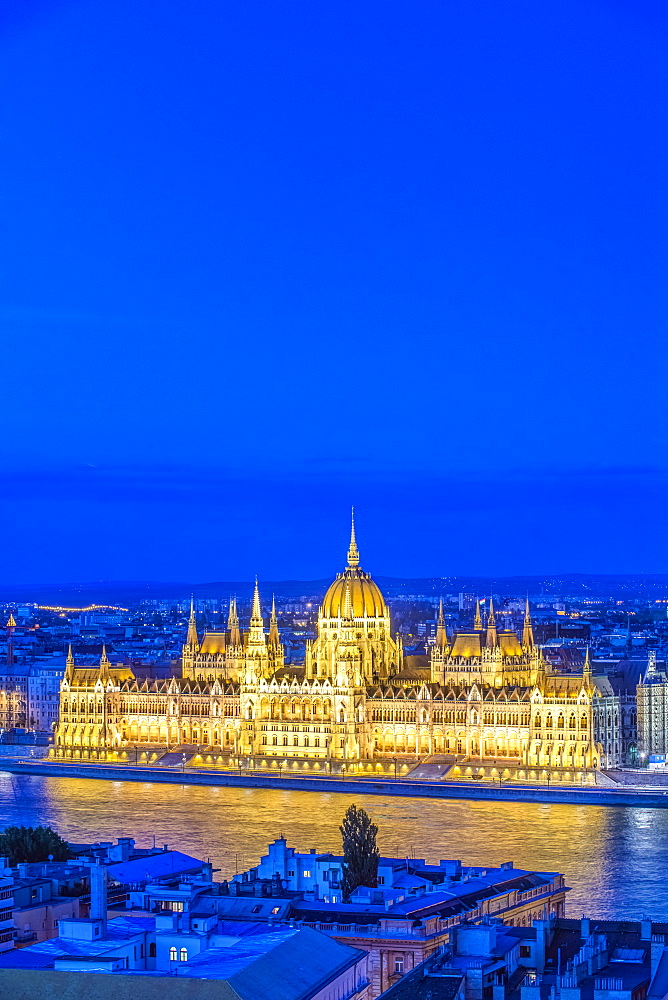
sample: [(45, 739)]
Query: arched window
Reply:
[(560, 722), (184, 954), (548, 721), (583, 722), (173, 955), (572, 722)]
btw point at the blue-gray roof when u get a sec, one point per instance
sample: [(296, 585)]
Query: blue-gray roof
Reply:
[(283, 964), (154, 866)]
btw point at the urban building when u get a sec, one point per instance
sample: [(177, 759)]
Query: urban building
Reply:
[(564, 959), (484, 695), (652, 703), (97, 956), (407, 917)]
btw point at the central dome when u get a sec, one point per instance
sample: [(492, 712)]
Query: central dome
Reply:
[(354, 592)]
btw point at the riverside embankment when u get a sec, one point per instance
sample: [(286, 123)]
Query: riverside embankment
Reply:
[(509, 792)]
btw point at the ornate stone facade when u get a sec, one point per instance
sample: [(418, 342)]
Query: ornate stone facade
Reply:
[(481, 696)]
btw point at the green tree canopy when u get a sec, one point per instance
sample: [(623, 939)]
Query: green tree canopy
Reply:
[(32, 843), (360, 854)]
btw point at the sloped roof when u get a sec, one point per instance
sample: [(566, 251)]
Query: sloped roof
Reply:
[(284, 964), (154, 866)]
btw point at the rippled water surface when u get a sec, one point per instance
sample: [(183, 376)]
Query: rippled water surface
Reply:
[(615, 859)]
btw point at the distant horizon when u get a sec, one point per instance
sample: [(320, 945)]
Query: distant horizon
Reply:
[(83, 593)]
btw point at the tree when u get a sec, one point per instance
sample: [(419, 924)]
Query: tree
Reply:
[(32, 843), (360, 854)]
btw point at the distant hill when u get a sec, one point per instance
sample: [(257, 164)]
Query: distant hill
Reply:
[(124, 592)]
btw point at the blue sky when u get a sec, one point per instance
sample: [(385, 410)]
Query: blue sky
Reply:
[(262, 261)]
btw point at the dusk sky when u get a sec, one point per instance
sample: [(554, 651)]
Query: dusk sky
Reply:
[(262, 261)]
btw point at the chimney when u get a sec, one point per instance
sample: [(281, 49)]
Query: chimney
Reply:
[(22, 870), (657, 946), (98, 895), (645, 929)]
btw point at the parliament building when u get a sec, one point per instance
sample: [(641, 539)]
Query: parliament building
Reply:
[(480, 698)]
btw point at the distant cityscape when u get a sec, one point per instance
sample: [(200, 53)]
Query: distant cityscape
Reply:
[(620, 623)]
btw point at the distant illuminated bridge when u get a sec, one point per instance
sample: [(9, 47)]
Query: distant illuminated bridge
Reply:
[(91, 607)]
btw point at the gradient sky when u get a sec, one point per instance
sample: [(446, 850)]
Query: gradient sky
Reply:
[(261, 261)]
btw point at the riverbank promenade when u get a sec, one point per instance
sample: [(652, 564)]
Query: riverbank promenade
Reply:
[(622, 795)]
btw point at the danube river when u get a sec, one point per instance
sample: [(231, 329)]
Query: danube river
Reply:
[(615, 859)]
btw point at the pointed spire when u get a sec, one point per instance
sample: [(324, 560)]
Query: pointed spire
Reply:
[(274, 638), (192, 639), (256, 610), (69, 664), (491, 637), (11, 621), (441, 634), (527, 631), (586, 670), (353, 552), (256, 634), (104, 660), (233, 623), (477, 621)]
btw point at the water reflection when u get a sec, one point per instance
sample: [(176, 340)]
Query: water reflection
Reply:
[(611, 857)]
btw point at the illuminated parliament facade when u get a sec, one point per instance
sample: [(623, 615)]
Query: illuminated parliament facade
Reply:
[(356, 703)]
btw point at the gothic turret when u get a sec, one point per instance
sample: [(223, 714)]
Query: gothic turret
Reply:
[(192, 639), (256, 636), (527, 631), (492, 638), (233, 624), (441, 634), (274, 638)]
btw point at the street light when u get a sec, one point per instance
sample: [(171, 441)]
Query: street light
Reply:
[(396, 764), (183, 764)]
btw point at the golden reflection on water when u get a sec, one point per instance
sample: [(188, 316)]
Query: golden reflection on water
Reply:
[(611, 857)]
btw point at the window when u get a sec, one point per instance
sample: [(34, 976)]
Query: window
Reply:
[(307, 874), (172, 954), (291, 874), (151, 950), (256, 909), (184, 954), (380, 880), (275, 910), (399, 965), (525, 951)]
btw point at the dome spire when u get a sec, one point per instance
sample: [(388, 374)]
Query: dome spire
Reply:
[(353, 552)]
